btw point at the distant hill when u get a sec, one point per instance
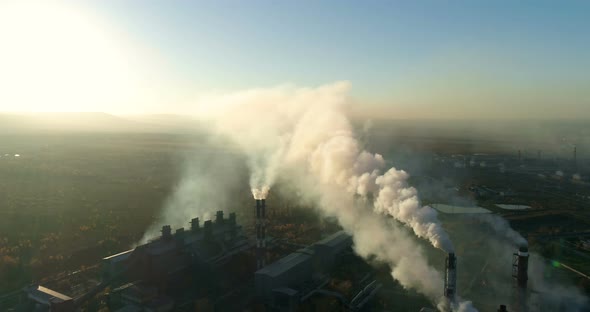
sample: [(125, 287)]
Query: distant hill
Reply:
[(93, 122), (176, 123)]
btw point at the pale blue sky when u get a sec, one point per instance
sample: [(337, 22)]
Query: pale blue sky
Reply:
[(406, 56)]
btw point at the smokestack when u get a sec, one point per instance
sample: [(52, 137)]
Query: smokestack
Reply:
[(219, 217), (260, 233), (520, 264), (195, 224), (166, 232), (575, 158), (263, 230), (450, 277)]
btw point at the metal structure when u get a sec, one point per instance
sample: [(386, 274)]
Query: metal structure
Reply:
[(296, 277), (520, 264), (260, 233), (450, 277), (173, 256)]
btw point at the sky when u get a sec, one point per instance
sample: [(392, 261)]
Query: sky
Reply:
[(404, 59)]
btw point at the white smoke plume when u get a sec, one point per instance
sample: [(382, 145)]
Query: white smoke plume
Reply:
[(503, 229), (486, 270), (308, 128), (306, 132), (208, 176)]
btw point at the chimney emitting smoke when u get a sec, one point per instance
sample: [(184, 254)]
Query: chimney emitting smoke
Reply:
[(260, 233), (166, 232), (520, 265), (450, 277), (195, 224), (219, 217)]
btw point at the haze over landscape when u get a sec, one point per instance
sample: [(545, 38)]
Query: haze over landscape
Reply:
[(428, 59)]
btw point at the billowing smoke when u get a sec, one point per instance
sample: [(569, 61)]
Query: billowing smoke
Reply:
[(260, 192), (259, 122), (305, 132), (401, 201), (287, 126), (486, 270), (208, 176)]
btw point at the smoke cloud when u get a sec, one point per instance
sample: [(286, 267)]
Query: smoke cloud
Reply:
[(208, 176), (304, 131), (502, 228)]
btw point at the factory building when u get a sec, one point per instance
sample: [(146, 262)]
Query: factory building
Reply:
[(174, 260), (172, 253), (45, 299), (284, 283)]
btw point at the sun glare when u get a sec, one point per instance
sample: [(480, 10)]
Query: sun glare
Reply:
[(55, 57)]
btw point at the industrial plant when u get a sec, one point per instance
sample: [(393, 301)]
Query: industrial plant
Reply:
[(215, 266), (225, 264)]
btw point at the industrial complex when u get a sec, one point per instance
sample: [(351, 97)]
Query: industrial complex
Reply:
[(217, 265)]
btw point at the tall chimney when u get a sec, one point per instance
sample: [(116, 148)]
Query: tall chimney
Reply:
[(260, 233), (219, 217), (263, 230), (520, 264), (450, 277), (194, 224)]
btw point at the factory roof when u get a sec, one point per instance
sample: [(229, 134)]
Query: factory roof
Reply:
[(158, 247), (286, 290), (279, 267), (45, 295), (335, 240), (119, 257)]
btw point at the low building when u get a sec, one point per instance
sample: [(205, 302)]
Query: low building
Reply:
[(173, 257), (46, 299), (283, 283)]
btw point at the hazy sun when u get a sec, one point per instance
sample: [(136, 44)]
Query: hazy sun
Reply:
[(55, 57)]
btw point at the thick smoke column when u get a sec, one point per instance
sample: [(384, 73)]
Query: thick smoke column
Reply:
[(396, 198), (502, 228), (260, 193), (306, 133)]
